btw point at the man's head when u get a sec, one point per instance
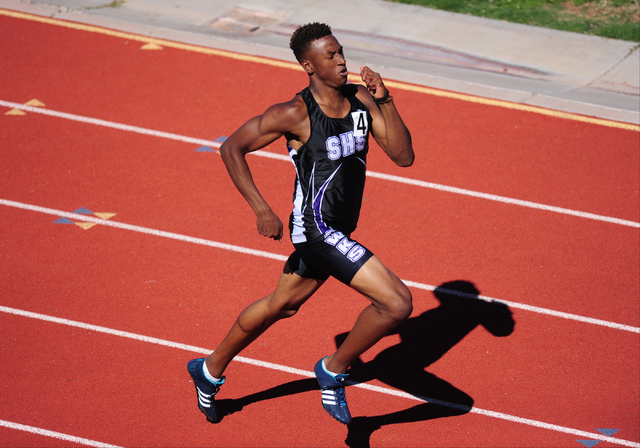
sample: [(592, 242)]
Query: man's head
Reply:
[(303, 36), (320, 54)]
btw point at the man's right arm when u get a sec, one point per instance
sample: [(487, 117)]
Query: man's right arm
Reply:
[(255, 134)]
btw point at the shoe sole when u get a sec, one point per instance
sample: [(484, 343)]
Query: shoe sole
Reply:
[(332, 416)]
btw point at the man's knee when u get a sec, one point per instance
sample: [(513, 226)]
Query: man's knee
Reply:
[(277, 308), (287, 311), (398, 304), (290, 294), (402, 306), (387, 292)]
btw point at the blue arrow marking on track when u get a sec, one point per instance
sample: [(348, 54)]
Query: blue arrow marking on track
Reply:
[(607, 431), (588, 443), (63, 221)]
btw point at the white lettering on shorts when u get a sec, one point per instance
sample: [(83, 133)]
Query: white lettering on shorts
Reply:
[(356, 253), (334, 238), (353, 251), (345, 245)]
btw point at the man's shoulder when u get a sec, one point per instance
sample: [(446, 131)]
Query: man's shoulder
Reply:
[(292, 108), (362, 93), (286, 117)]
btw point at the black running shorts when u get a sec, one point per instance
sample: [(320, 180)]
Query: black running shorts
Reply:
[(334, 255)]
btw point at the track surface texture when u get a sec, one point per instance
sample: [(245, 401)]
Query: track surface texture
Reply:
[(98, 322)]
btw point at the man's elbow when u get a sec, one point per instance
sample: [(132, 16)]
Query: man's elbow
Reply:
[(224, 149), (227, 151), (406, 160)]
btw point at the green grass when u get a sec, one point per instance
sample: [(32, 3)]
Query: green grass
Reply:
[(616, 19)]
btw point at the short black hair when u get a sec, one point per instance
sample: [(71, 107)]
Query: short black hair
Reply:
[(304, 35)]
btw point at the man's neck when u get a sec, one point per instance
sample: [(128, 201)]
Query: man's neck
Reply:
[(330, 99)]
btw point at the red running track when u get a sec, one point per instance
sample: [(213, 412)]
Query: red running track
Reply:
[(551, 382)]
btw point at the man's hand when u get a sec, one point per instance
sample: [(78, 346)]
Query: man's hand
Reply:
[(374, 83), (269, 225), (387, 128)]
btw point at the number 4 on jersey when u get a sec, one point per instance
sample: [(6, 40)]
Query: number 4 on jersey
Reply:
[(359, 123)]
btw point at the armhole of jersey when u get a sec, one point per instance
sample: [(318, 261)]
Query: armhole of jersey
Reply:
[(308, 117), (310, 128), (362, 102)]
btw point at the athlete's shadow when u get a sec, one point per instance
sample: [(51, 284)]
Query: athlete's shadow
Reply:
[(424, 340), (229, 406)]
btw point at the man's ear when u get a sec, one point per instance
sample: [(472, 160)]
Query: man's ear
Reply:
[(308, 67)]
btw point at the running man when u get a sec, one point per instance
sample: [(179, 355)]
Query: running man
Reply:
[(327, 128)]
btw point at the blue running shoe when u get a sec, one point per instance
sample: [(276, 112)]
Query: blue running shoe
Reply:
[(206, 389), (333, 399)]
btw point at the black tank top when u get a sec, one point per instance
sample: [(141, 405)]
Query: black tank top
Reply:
[(331, 170)]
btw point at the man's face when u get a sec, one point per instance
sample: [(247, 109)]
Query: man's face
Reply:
[(325, 59)]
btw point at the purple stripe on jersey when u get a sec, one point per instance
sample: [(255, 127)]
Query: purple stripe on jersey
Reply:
[(317, 204)]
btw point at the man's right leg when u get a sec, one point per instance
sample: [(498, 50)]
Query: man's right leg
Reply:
[(292, 291)]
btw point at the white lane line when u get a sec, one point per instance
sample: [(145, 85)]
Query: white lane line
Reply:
[(55, 435), (503, 199), (308, 374), (108, 124), (388, 177), (175, 236), (260, 253), (535, 309)]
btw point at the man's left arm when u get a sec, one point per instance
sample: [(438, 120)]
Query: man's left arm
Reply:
[(388, 129)]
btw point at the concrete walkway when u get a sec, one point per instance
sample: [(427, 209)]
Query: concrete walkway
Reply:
[(554, 69)]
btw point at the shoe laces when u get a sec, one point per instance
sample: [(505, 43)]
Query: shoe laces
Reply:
[(338, 389), (340, 396)]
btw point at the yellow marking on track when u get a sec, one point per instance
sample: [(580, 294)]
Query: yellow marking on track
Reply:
[(292, 66), (85, 225), (505, 104), (139, 38), (35, 103), (105, 215), (15, 112), (151, 46)]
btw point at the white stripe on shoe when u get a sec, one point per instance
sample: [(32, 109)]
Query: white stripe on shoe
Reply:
[(329, 397), (204, 399)]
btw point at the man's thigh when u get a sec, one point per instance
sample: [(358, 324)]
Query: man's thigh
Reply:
[(381, 286), (293, 290)]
